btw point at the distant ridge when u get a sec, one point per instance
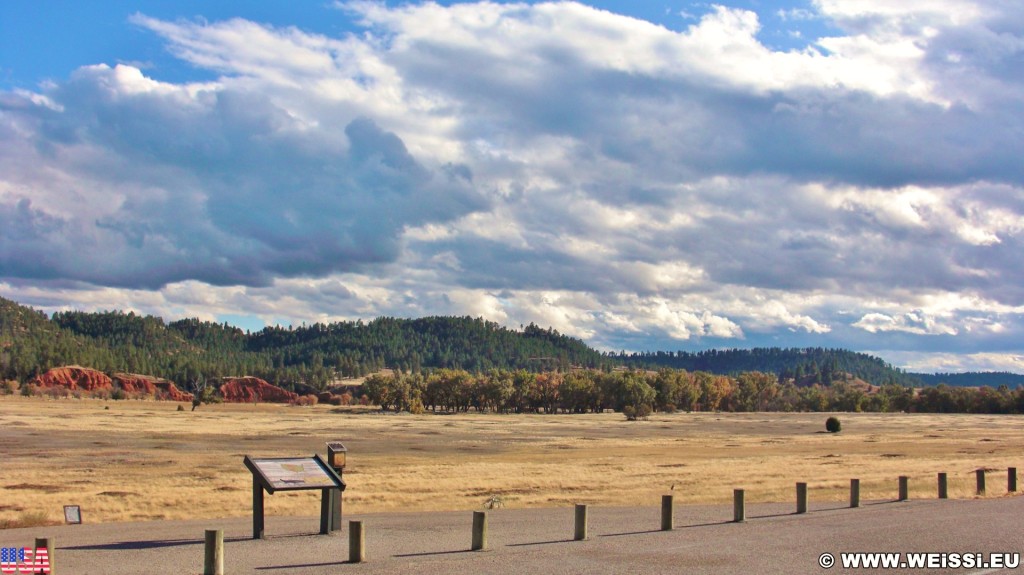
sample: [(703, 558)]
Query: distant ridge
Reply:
[(972, 379), (183, 350), (818, 364)]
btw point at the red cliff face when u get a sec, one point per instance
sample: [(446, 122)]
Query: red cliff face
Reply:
[(149, 385), (74, 377), (252, 390)]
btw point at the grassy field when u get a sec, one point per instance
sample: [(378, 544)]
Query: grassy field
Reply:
[(141, 460)]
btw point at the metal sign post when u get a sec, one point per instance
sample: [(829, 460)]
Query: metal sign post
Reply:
[(336, 455)]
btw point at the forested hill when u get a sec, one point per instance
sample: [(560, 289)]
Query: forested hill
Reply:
[(184, 350), (972, 379), (801, 364), (411, 344)]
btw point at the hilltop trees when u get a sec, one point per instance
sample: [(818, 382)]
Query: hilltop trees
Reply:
[(457, 364), (293, 357)]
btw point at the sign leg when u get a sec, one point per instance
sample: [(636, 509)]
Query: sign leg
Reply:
[(257, 510)]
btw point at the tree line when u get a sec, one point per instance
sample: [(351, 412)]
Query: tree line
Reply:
[(639, 393)]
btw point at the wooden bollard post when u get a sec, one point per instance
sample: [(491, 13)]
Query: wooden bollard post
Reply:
[(356, 542), (855, 493), (943, 486), (479, 531), (48, 544), (980, 475), (739, 513), (213, 563), (580, 533), (1011, 479), (666, 512), (904, 492), (801, 498)]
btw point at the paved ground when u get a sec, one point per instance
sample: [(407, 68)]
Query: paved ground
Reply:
[(622, 540)]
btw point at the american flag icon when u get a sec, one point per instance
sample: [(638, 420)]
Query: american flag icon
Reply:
[(24, 561)]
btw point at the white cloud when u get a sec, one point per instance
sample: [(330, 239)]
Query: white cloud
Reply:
[(619, 181), (911, 322), (955, 362)]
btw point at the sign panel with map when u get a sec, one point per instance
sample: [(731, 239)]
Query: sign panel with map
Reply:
[(293, 473)]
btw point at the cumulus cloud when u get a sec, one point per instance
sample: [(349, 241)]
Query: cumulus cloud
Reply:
[(171, 183), (633, 185)]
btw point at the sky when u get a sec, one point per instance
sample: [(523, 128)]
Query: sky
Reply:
[(640, 175)]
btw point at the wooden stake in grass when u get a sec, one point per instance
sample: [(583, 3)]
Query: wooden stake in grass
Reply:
[(801, 498), (980, 476), (213, 561), (479, 531), (943, 486), (854, 493), (904, 492), (1011, 480)]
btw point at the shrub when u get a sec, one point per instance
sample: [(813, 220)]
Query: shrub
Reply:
[(633, 413), (9, 387), (27, 519), (832, 425), (57, 392), (305, 400), (181, 407)]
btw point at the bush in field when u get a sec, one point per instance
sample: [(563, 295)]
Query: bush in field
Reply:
[(633, 413), (832, 425), (57, 392), (10, 387), (305, 400)]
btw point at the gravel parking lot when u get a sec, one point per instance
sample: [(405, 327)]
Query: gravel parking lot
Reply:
[(621, 540)]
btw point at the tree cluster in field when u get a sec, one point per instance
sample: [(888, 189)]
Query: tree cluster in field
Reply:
[(639, 393)]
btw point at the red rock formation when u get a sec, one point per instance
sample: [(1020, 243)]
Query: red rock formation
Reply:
[(74, 377), (172, 391), (149, 385), (252, 390), (134, 383)]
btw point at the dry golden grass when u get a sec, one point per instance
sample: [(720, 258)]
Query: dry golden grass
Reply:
[(142, 460)]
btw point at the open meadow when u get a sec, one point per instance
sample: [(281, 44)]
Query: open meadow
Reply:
[(144, 460)]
